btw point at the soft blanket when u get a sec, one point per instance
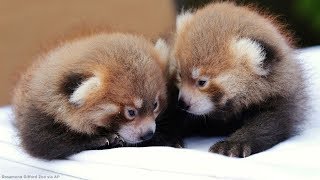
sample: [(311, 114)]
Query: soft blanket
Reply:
[(296, 158)]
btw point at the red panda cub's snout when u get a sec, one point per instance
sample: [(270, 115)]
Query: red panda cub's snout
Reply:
[(236, 66), (94, 92)]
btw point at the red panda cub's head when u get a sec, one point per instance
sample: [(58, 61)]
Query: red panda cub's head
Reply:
[(229, 57), (110, 81)]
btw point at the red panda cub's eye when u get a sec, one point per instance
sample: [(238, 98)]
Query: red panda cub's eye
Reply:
[(201, 83), (130, 113)]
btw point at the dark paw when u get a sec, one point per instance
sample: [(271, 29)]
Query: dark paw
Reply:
[(159, 140), (175, 142), (178, 143), (99, 143), (171, 142), (232, 149), (115, 141), (106, 142)]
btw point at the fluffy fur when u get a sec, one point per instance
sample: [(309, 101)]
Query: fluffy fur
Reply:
[(235, 68), (97, 91)]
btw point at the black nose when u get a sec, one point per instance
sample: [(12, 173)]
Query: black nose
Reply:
[(148, 135), (183, 105)]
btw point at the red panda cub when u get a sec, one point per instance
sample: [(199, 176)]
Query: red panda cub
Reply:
[(236, 73), (99, 91)]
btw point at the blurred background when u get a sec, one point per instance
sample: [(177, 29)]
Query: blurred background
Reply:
[(28, 26), (301, 16)]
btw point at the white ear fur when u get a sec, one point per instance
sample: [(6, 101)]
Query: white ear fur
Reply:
[(253, 51), (182, 19), (162, 47), (86, 87)]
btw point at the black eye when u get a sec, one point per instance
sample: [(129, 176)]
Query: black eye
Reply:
[(201, 83), (132, 113), (155, 105)]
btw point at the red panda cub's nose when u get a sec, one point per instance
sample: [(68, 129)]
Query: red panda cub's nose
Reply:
[(148, 135), (183, 105)]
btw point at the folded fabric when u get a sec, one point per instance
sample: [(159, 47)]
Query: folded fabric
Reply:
[(296, 158)]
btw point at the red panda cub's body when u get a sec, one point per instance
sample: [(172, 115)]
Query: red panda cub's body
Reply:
[(236, 70), (97, 91)]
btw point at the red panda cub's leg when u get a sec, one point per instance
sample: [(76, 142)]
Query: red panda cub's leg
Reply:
[(262, 129)]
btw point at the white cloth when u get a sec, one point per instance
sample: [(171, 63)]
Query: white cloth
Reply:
[(296, 158)]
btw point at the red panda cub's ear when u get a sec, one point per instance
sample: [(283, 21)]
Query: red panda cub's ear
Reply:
[(163, 50), (84, 89), (258, 55), (183, 19)]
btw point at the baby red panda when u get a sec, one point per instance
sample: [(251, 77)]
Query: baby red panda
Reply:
[(98, 91), (237, 73)]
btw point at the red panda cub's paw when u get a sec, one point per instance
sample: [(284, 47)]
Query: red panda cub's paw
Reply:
[(179, 144), (115, 140), (160, 139), (172, 142), (110, 140), (232, 149)]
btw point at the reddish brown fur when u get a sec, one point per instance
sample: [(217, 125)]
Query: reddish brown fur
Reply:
[(199, 44), (127, 65), (270, 106)]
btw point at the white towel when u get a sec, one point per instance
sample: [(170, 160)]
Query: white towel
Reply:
[(296, 158)]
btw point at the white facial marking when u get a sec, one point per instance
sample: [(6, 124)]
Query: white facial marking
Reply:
[(199, 102), (103, 110), (202, 105), (246, 47), (163, 49), (79, 95), (132, 133), (195, 73), (182, 19), (138, 102), (109, 108), (149, 124)]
